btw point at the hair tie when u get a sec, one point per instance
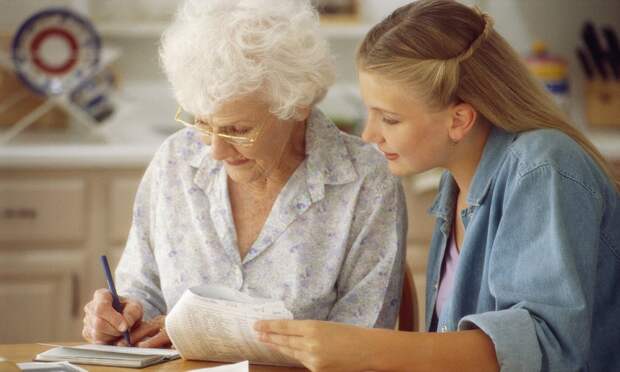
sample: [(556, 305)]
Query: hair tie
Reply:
[(488, 26)]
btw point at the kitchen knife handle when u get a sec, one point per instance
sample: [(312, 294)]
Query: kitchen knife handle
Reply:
[(598, 56), (586, 66), (613, 50)]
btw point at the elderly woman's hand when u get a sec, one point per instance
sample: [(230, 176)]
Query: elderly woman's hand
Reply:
[(103, 324), (149, 333)]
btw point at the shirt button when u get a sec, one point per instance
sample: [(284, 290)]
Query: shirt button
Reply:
[(239, 277), (435, 286)]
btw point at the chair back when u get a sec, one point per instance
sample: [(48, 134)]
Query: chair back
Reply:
[(408, 319)]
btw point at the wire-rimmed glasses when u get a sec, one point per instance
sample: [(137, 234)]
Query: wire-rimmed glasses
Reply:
[(239, 139)]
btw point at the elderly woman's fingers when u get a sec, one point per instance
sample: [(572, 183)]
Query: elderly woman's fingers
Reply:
[(102, 327), (101, 306), (142, 331), (132, 312), (86, 334), (91, 335), (97, 329), (161, 339)]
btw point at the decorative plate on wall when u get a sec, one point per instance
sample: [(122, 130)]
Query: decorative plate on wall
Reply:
[(54, 50)]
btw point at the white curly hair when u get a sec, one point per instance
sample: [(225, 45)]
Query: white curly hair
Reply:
[(218, 50)]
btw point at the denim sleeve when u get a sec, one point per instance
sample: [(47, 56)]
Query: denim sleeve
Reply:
[(137, 274), (370, 281), (541, 273)]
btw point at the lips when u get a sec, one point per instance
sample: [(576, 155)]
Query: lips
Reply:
[(390, 155)]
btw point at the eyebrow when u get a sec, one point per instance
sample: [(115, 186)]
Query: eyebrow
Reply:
[(383, 110), (224, 123)]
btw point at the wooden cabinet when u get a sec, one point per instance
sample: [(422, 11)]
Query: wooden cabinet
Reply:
[(54, 224), (42, 209), (39, 296)]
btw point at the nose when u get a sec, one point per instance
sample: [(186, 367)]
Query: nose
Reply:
[(221, 149), (371, 133)]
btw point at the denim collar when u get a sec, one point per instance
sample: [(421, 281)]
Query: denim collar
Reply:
[(492, 156), (328, 161)]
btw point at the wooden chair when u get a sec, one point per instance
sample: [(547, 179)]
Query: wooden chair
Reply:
[(408, 317)]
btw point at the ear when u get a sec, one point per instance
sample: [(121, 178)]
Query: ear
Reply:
[(463, 119)]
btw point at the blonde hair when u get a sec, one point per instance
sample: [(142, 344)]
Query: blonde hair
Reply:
[(452, 54)]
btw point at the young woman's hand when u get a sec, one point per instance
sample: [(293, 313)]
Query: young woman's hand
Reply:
[(318, 345), (103, 324), (149, 333)]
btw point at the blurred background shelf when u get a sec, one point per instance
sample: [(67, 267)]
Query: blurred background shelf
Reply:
[(155, 29), (131, 29)]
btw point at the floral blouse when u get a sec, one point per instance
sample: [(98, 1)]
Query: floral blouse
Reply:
[(332, 247)]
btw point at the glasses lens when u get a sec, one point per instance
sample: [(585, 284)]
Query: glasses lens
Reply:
[(185, 117)]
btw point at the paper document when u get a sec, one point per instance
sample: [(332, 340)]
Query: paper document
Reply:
[(215, 323), (237, 367), (49, 367), (108, 355)]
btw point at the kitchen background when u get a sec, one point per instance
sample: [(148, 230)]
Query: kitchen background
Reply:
[(67, 182)]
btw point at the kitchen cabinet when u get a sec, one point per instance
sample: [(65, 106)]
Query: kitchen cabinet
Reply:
[(39, 295), (54, 225)]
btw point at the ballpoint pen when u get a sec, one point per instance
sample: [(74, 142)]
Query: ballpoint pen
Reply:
[(116, 303)]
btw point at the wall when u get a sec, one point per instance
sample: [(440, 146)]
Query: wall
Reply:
[(557, 22)]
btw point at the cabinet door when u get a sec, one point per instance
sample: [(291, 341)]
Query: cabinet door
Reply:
[(39, 298), (42, 209)]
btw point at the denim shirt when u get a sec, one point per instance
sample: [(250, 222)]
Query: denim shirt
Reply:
[(539, 267)]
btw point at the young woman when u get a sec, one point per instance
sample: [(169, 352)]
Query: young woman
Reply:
[(524, 263)]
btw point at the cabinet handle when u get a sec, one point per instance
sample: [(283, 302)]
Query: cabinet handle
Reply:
[(19, 213), (75, 296)]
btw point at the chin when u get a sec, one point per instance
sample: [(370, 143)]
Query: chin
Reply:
[(399, 170), (403, 170), (242, 175)]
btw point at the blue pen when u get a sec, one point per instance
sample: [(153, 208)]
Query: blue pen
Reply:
[(116, 303)]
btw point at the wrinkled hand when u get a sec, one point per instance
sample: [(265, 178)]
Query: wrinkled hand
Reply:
[(149, 333), (103, 324), (319, 346)]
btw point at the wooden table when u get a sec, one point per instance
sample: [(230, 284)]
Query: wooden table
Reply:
[(25, 352)]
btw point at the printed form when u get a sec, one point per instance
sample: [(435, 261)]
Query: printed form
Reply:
[(215, 323)]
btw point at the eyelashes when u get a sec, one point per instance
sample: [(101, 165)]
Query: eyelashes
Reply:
[(389, 121), (231, 130)]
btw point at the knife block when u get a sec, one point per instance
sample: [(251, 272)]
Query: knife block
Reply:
[(602, 103)]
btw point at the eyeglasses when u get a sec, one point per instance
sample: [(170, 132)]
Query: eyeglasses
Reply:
[(229, 134)]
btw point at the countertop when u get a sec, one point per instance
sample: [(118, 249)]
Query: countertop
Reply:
[(68, 151), (144, 117)]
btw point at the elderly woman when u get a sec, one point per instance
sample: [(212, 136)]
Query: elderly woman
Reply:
[(262, 193)]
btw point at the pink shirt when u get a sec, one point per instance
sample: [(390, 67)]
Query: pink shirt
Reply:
[(448, 268)]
